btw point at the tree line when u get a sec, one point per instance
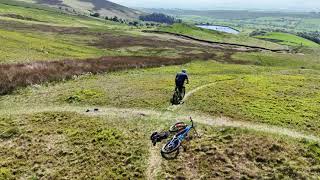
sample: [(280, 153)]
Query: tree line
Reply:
[(312, 36), (160, 18)]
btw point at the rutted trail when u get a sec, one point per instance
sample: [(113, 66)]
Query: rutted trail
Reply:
[(154, 163)]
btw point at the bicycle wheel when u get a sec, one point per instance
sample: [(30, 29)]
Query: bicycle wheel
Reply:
[(171, 156), (171, 146), (177, 127), (175, 98)]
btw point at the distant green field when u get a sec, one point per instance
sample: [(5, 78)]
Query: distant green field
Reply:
[(218, 36), (288, 39)]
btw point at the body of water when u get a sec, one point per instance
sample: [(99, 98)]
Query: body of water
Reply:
[(219, 28)]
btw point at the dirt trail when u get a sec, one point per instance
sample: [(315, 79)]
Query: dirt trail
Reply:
[(154, 163), (176, 107), (166, 115)]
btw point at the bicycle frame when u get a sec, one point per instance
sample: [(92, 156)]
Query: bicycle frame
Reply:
[(183, 134)]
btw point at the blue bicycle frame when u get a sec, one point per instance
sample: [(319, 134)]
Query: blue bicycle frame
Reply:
[(182, 135), (174, 144)]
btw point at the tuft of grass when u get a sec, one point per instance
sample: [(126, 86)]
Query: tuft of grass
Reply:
[(86, 95), (5, 173)]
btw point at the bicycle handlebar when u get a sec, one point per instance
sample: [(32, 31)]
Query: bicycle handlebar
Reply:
[(191, 121)]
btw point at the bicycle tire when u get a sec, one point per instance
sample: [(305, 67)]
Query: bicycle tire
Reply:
[(175, 98), (174, 128), (164, 149), (171, 155)]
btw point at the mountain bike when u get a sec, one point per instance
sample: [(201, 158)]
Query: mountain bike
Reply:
[(178, 96), (174, 143)]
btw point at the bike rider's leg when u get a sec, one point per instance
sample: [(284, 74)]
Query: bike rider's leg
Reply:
[(180, 88)]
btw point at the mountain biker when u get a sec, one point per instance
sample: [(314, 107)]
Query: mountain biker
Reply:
[(180, 79)]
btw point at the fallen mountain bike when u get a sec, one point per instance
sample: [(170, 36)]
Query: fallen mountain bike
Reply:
[(173, 145)]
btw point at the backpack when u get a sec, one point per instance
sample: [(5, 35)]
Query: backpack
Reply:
[(158, 137)]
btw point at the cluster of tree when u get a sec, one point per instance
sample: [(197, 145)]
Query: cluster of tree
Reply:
[(160, 18), (257, 33), (312, 36), (130, 23), (67, 9), (95, 14), (115, 19), (262, 32)]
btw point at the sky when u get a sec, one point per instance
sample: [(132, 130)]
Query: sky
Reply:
[(302, 5)]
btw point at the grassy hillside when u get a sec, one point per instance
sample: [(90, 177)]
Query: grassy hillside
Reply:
[(287, 39), (257, 112), (218, 36), (120, 136), (104, 7)]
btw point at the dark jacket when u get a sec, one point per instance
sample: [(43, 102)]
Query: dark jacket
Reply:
[(180, 78)]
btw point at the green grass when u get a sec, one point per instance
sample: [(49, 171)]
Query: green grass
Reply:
[(46, 15), (72, 145), (288, 39), (221, 150), (308, 59), (106, 146), (272, 94), (48, 122), (27, 47), (216, 36)]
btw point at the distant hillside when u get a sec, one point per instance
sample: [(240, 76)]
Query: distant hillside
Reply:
[(232, 14), (104, 7)]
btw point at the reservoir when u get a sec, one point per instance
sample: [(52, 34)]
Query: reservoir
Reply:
[(219, 28)]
